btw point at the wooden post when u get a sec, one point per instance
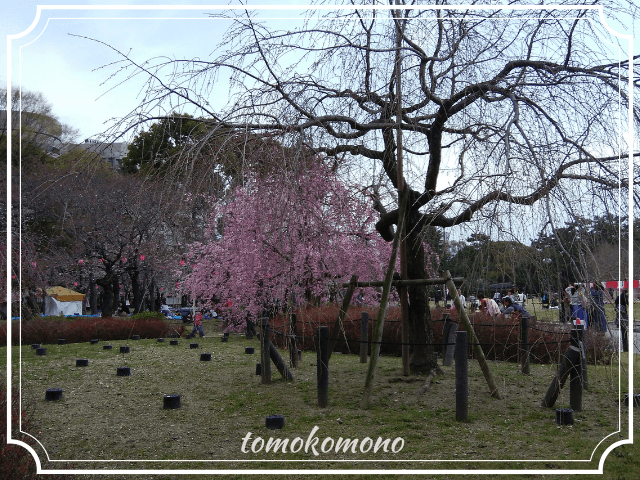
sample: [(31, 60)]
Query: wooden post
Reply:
[(462, 376), (364, 336), (337, 327), (445, 333), (323, 367), (265, 356), (524, 346), (572, 357), (576, 383), (382, 310), (406, 283), (293, 340), (451, 339), (624, 330), (493, 388), (575, 388)]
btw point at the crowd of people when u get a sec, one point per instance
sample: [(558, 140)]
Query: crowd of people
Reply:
[(580, 304)]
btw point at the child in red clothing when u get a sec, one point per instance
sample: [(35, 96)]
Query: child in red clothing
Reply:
[(197, 324)]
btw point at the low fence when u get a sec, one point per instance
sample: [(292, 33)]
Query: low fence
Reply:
[(499, 336)]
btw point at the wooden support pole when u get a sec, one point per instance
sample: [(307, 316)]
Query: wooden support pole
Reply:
[(462, 376), (293, 340), (364, 336), (493, 388), (525, 348), (382, 310), (265, 356), (407, 283), (337, 327), (323, 367), (279, 362)]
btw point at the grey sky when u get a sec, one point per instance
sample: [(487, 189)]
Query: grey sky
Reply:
[(67, 69), (75, 73)]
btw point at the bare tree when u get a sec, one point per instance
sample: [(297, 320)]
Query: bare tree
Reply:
[(37, 132), (519, 105), (99, 227)]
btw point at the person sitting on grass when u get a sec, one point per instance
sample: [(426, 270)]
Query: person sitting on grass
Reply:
[(510, 307), (197, 324)]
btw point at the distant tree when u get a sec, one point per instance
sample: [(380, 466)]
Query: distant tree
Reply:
[(151, 151), (91, 226), (37, 134), (588, 249)]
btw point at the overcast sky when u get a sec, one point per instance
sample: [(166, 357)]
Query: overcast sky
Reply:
[(67, 69), (74, 73)]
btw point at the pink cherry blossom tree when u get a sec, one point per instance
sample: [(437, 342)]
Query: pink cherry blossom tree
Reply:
[(286, 238)]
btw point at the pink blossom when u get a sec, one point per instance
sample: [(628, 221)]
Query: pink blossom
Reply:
[(287, 238)]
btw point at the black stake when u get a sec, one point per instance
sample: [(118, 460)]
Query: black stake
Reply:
[(524, 346), (462, 376), (364, 331), (323, 367)]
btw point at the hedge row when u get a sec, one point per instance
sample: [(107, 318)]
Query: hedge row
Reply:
[(499, 336), (83, 329)]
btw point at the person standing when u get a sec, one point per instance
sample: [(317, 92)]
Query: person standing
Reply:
[(622, 304), (597, 307), (197, 324), (578, 303), (438, 297), (463, 300)]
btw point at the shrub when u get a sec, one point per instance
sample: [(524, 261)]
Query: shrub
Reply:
[(83, 329), (147, 315), (499, 337)]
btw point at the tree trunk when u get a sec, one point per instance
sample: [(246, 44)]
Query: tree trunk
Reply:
[(135, 289), (107, 299), (152, 296), (423, 357), (93, 294), (115, 285)]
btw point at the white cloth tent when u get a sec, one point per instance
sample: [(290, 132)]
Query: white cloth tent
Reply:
[(62, 300)]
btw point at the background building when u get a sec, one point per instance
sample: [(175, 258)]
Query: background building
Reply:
[(111, 152)]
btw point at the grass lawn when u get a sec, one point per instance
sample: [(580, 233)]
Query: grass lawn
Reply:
[(103, 417)]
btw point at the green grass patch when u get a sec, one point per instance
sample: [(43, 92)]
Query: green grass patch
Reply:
[(106, 417)]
